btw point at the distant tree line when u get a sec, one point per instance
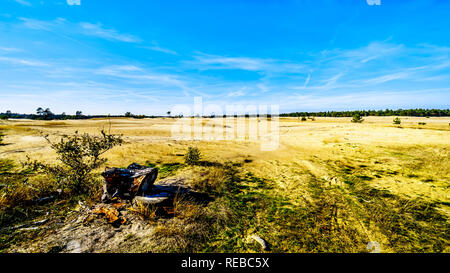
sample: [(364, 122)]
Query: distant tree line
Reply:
[(388, 112), (130, 115), (47, 114), (43, 114)]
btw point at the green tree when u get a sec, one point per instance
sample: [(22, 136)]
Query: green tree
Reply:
[(397, 121), (39, 111), (357, 118), (47, 113), (79, 156)]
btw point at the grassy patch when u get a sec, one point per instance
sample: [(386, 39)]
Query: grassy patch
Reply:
[(166, 169), (409, 225)]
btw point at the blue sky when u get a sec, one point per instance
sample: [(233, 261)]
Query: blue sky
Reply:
[(109, 57)]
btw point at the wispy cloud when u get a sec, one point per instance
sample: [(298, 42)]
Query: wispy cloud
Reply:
[(41, 24), (206, 62), (135, 73), (98, 30), (63, 26), (387, 78), (23, 2), (160, 49), (374, 50), (10, 49), (19, 61), (369, 100), (237, 93)]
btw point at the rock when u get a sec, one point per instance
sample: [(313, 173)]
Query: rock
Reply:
[(152, 200), (260, 241), (73, 246)]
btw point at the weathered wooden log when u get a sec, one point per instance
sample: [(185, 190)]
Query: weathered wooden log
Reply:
[(129, 182)]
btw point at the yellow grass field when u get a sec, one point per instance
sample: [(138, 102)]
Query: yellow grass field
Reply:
[(346, 161)]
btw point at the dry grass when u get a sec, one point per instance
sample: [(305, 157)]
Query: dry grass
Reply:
[(144, 211)]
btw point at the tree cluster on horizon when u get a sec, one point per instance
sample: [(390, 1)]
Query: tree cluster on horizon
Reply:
[(388, 112)]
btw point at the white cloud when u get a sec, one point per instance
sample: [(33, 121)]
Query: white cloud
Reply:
[(374, 50), (238, 93), (10, 49), (19, 61), (369, 100), (141, 76), (115, 70), (219, 62), (62, 26), (267, 68), (98, 30), (387, 78), (38, 24), (23, 2), (161, 49)]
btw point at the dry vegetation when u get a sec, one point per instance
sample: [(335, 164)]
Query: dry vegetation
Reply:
[(332, 186)]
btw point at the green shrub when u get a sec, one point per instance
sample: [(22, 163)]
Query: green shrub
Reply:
[(79, 156), (357, 118), (422, 123), (192, 156), (303, 118), (1, 136), (397, 121)]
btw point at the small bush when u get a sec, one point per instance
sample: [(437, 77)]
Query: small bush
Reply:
[(422, 123), (303, 118), (357, 118), (192, 156), (1, 136), (397, 121), (80, 156)]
